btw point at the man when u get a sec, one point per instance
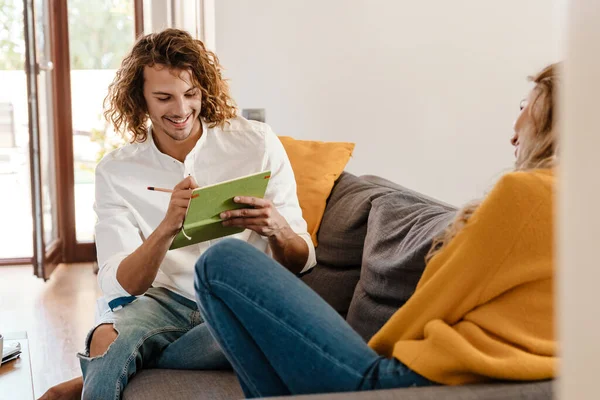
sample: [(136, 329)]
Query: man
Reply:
[(195, 139)]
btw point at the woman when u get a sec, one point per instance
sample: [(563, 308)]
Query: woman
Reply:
[(483, 308)]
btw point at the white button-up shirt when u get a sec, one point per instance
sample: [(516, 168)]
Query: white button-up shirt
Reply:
[(128, 213)]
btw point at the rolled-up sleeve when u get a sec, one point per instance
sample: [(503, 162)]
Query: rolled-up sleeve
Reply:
[(117, 236), (282, 191)]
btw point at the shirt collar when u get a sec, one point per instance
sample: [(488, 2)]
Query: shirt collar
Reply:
[(166, 159)]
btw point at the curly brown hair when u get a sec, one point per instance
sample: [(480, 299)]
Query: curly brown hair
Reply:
[(125, 106)]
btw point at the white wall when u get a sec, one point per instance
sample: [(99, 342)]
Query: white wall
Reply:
[(428, 90)]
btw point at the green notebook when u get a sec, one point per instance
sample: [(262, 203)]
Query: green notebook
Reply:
[(202, 221)]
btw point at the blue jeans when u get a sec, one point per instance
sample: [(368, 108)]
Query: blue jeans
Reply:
[(280, 337), (160, 329)]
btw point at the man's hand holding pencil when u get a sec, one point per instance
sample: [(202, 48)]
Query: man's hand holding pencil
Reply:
[(180, 200)]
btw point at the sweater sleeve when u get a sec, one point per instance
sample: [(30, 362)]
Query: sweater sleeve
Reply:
[(462, 276)]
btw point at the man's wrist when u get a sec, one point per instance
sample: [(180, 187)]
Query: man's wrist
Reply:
[(281, 237), (289, 249), (163, 234)]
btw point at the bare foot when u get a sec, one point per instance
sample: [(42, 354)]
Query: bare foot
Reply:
[(69, 390)]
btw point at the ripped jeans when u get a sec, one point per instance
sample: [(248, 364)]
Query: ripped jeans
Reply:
[(160, 329)]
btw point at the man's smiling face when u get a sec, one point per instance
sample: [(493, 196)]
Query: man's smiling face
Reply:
[(173, 101)]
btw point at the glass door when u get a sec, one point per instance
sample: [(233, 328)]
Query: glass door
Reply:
[(47, 246), (16, 240), (49, 144), (49, 164), (101, 33)]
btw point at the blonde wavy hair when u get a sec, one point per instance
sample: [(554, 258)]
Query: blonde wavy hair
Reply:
[(125, 106), (538, 152)]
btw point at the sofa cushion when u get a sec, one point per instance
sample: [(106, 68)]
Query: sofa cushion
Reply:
[(341, 239), (400, 230), (151, 384), (316, 165), (159, 384), (334, 285), (489, 391)]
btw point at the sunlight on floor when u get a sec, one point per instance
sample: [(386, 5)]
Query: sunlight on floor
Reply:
[(56, 314)]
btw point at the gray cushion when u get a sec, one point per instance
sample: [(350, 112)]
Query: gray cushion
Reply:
[(162, 384), (159, 384), (492, 391), (335, 285), (400, 230), (341, 238)]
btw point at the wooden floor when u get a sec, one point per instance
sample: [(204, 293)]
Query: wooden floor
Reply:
[(56, 314)]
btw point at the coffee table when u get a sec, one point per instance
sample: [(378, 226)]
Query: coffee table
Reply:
[(16, 381)]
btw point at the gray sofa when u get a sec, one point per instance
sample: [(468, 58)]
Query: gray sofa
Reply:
[(372, 243)]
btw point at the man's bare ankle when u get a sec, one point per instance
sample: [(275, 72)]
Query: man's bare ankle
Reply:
[(68, 390)]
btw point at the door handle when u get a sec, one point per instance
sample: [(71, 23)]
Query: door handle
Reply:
[(45, 66)]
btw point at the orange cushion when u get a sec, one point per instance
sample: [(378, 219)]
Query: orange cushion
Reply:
[(316, 165)]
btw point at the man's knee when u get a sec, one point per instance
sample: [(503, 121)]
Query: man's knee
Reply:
[(103, 336)]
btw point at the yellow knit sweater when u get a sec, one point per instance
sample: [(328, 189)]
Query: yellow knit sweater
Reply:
[(483, 308)]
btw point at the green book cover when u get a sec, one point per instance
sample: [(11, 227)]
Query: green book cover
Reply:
[(202, 221)]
